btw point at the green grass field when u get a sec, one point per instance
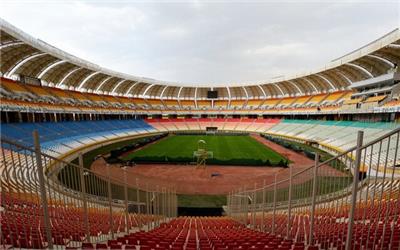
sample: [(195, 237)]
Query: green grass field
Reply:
[(227, 150)]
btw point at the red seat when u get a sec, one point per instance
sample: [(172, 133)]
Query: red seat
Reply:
[(101, 246), (86, 245)]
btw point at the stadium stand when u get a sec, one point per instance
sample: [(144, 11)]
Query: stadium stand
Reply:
[(54, 210), (186, 104), (206, 233), (61, 137), (361, 214), (53, 99), (50, 199), (221, 104)]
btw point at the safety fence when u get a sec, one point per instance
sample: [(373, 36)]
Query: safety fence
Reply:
[(350, 201), (47, 202)]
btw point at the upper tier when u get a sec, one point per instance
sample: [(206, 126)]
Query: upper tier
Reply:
[(23, 55), (20, 97)]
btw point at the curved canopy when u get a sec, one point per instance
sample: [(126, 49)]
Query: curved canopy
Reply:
[(22, 54)]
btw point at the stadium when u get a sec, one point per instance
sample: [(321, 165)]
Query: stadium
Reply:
[(93, 158)]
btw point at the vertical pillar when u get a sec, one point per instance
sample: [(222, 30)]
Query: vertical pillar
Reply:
[(42, 185), (138, 202), (7, 118), (289, 216), (254, 201), (162, 204), (243, 200), (148, 206), (126, 202), (84, 197), (263, 208), (313, 197), (172, 203), (20, 117), (229, 201), (274, 206), (110, 202), (169, 203), (175, 204), (353, 201), (159, 206)]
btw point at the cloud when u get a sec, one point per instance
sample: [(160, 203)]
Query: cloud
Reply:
[(173, 32), (278, 50), (209, 42)]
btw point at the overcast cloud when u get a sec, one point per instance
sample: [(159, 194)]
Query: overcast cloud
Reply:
[(205, 42)]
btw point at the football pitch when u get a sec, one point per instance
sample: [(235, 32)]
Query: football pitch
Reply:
[(227, 150)]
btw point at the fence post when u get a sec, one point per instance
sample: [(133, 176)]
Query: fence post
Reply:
[(228, 201), (163, 191), (126, 201), (245, 202), (254, 201), (233, 205), (353, 203), (166, 204), (157, 200), (43, 197), (84, 197), (138, 202), (170, 204), (313, 197), (176, 203), (111, 221), (149, 207), (274, 206), (289, 216), (263, 208), (240, 206)]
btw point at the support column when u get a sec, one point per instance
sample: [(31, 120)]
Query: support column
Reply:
[(353, 203), (42, 185), (126, 202), (314, 193), (274, 206), (254, 204), (138, 202), (289, 217), (148, 205), (84, 197), (111, 221), (263, 208)]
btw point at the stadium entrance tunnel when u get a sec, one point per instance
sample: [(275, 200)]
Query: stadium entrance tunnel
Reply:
[(200, 211)]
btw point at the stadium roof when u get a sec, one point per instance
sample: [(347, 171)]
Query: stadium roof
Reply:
[(22, 54)]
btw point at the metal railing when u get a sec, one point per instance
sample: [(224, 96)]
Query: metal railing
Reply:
[(347, 202), (47, 202)]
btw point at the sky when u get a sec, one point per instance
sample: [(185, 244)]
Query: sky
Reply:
[(205, 42)]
